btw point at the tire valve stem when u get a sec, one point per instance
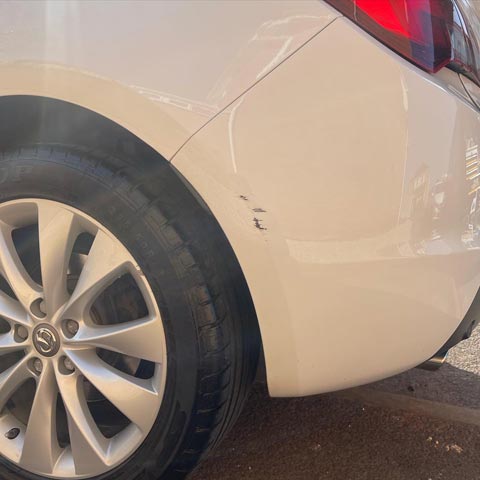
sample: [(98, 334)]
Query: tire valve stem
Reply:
[(13, 433)]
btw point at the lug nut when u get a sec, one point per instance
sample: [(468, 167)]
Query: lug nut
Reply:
[(38, 365), (22, 333), (68, 364), (38, 308), (13, 433), (72, 327), (42, 307)]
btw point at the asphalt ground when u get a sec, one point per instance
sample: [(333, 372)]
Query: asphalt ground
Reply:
[(416, 426)]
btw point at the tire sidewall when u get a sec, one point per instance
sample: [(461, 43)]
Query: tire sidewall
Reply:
[(111, 200)]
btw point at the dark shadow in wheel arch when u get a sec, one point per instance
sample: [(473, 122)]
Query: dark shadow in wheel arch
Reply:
[(466, 327)]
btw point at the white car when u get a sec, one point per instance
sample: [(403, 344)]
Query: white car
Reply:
[(186, 184)]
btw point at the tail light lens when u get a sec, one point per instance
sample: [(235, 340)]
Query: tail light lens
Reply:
[(431, 34)]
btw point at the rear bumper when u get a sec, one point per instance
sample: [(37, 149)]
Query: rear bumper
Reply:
[(349, 193)]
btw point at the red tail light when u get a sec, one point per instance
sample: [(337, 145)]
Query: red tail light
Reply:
[(431, 34)]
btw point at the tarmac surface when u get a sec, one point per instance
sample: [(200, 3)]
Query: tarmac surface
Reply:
[(416, 426)]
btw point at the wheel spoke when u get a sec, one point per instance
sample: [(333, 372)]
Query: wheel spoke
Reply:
[(11, 267), (12, 378), (138, 338), (106, 261), (12, 311), (57, 231), (9, 344), (40, 448), (134, 397), (89, 447)]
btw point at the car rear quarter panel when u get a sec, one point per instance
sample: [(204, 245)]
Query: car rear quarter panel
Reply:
[(160, 69)]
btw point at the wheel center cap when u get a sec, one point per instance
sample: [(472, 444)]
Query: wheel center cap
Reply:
[(46, 340)]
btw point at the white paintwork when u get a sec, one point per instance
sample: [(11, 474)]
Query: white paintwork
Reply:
[(351, 282), (472, 89), (309, 164), (161, 69)]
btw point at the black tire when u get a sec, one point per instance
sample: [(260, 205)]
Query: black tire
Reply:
[(209, 321)]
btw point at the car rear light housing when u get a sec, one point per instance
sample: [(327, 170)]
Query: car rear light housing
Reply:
[(432, 34)]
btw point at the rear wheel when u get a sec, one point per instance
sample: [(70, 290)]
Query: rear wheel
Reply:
[(128, 339)]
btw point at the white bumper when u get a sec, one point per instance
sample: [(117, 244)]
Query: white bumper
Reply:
[(346, 182)]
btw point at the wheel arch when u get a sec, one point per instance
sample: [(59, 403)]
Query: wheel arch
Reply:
[(29, 119)]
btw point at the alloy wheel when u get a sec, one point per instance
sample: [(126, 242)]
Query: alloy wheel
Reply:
[(82, 346)]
